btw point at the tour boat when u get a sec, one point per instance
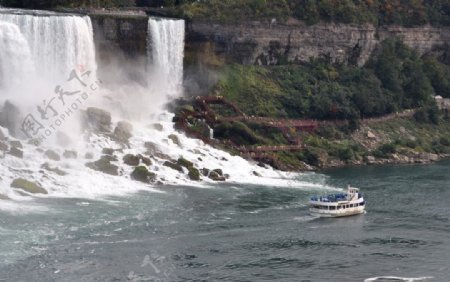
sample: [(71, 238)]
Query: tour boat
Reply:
[(338, 205)]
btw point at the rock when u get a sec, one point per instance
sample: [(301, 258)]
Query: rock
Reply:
[(434, 157), (34, 141), (56, 170), (9, 117), (194, 174), (70, 154), (151, 147), (2, 135), (16, 144), (175, 139), (142, 174), (216, 177), (145, 160), (256, 174), (131, 160), (370, 159), (104, 166), (183, 162), (98, 120), (173, 166), (218, 171), (108, 151), (28, 186), (123, 131), (52, 155), (3, 146), (370, 135), (157, 126), (109, 158), (89, 156), (16, 152), (205, 171)]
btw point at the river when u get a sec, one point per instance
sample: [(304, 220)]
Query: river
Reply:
[(233, 232)]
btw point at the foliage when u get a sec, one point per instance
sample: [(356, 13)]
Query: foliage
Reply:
[(378, 12), (231, 10), (395, 78), (45, 4)]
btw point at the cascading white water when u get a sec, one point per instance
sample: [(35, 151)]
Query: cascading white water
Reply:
[(58, 44), (16, 63), (166, 52)]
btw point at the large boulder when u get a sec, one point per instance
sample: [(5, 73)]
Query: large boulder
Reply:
[(98, 120), (175, 139), (142, 174), (28, 186), (173, 166), (131, 160), (205, 171), (56, 170), (3, 146), (52, 155), (16, 152), (183, 162), (157, 126), (216, 176), (104, 165), (108, 151), (9, 118), (16, 143), (194, 174), (2, 135), (123, 131), (70, 154)]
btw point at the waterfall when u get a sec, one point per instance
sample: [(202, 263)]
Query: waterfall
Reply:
[(16, 63), (58, 44), (166, 52)]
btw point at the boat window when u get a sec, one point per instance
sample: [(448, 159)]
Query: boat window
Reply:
[(351, 205), (332, 208)]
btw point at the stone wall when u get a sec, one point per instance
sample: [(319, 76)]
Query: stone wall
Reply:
[(273, 43), (120, 40)]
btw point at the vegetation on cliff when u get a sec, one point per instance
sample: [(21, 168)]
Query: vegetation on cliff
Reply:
[(358, 108), (395, 78), (377, 12)]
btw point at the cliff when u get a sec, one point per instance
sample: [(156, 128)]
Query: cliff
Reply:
[(275, 43), (119, 39)]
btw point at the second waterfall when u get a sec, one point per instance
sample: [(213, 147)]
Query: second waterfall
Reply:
[(165, 53)]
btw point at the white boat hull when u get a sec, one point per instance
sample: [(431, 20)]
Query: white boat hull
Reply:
[(322, 213)]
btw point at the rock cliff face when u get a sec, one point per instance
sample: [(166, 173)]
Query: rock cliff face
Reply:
[(272, 43), (120, 38)]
